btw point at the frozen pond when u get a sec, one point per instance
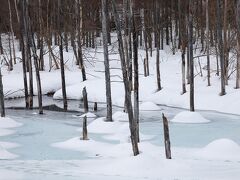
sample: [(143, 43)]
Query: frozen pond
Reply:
[(39, 131)]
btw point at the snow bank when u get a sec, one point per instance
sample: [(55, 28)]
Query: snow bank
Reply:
[(101, 126), (8, 145), (6, 132), (88, 115), (148, 106), (4, 154), (90, 147), (189, 117), (221, 149), (120, 116), (6, 122)]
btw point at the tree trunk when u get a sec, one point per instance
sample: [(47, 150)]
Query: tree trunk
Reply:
[(1, 47), (220, 47), (191, 60), (166, 138), (64, 94), (106, 61), (132, 122), (136, 71), (24, 48), (207, 43), (2, 107), (238, 44)]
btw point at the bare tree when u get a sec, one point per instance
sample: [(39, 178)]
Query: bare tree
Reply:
[(132, 122), (2, 107), (191, 60), (106, 60), (220, 46), (238, 44)]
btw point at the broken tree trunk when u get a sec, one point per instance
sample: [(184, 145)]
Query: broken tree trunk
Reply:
[(85, 100), (166, 137), (84, 130)]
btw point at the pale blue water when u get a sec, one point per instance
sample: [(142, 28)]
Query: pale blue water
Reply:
[(40, 131)]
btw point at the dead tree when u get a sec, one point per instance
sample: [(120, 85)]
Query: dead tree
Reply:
[(23, 41), (183, 42), (132, 122), (191, 60), (238, 44), (166, 138), (136, 70), (106, 60), (38, 78), (84, 130), (207, 43), (220, 47), (2, 106), (157, 33), (85, 100), (64, 94), (1, 47)]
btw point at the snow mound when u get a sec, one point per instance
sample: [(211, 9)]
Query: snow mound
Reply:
[(148, 106), (4, 154), (122, 134), (101, 126), (120, 116), (189, 117), (6, 122), (221, 149), (90, 147), (8, 145), (6, 132), (88, 115)]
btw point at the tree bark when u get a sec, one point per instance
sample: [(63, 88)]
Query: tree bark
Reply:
[(132, 122), (106, 60), (2, 106), (220, 47), (191, 60)]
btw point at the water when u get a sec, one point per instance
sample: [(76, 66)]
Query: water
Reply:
[(40, 131)]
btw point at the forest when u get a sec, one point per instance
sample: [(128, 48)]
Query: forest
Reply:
[(142, 56)]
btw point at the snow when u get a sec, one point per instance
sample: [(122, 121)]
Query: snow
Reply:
[(88, 115), (120, 116), (6, 132), (101, 126), (107, 159), (4, 154), (6, 122), (148, 106), (221, 149), (189, 117), (117, 160)]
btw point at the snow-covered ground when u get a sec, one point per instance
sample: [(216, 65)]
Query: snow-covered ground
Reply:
[(206, 98)]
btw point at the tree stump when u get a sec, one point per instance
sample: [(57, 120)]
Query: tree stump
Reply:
[(84, 130), (85, 100), (166, 138), (95, 106)]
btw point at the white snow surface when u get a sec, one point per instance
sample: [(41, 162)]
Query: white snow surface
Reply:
[(5, 124), (189, 117), (221, 149), (148, 106)]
